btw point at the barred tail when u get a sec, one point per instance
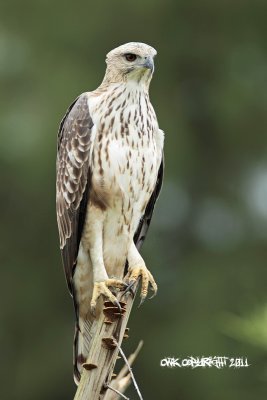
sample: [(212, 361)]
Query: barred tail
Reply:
[(82, 338)]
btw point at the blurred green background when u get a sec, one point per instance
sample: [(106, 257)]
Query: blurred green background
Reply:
[(207, 246)]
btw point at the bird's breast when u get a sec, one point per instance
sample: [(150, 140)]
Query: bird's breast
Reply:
[(124, 156)]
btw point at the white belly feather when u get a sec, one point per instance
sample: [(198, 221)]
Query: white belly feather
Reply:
[(132, 187), (124, 164)]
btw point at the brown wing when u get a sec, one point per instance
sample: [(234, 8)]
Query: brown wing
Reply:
[(144, 223), (72, 181)]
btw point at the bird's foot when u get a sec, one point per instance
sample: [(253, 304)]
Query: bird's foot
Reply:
[(141, 271), (102, 288)]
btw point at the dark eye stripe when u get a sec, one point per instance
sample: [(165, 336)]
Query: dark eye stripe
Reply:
[(130, 57)]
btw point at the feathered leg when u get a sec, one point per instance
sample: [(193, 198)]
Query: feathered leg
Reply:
[(93, 237)]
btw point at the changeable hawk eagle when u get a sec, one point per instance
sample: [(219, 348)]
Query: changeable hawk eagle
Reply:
[(109, 175)]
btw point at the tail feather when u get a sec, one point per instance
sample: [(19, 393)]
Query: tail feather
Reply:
[(82, 338)]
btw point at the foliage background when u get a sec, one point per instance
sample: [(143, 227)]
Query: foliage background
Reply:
[(207, 244)]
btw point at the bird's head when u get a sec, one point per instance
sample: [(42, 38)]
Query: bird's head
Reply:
[(130, 62)]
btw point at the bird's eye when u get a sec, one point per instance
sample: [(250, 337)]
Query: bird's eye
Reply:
[(130, 57)]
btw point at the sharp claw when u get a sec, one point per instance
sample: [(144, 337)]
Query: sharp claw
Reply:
[(117, 304), (142, 301), (129, 288), (102, 289), (151, 297), (141, 273), (125, 288)]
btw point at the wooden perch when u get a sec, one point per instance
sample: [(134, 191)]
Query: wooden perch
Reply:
[(123, 380), (109, 331)]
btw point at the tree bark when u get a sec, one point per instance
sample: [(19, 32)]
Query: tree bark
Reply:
[(109, 331)]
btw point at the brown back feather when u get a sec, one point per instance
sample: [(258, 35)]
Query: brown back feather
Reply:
[(72, 183)]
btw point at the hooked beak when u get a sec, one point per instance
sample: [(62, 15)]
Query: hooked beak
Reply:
[(149, 63)]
